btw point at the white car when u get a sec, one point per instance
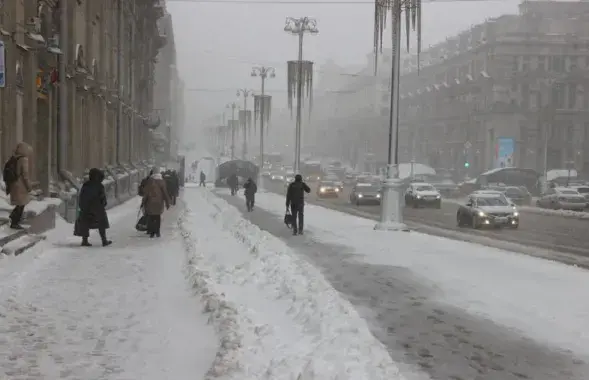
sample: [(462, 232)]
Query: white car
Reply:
[(423, 194), (564, 198), (277, 176)]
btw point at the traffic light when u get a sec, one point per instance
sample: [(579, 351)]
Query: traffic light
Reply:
[(467, 164)]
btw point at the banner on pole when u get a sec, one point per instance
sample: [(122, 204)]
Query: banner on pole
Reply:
[(2, 65)]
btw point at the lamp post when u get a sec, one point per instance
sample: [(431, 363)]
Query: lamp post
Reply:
[(263, 72), (233, 106), (391, 214), (244, 92), (298, 27)]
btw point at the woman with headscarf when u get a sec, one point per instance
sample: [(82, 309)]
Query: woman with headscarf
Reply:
[(155, 198), (18, 184), (92, 205)]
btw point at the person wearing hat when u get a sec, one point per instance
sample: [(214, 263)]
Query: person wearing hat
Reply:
[(295, 201)]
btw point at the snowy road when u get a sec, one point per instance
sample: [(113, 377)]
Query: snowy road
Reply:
[(117, 313), (405, 314), (552, 232)]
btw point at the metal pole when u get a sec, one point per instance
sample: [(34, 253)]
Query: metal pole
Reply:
[(232, 132), (261, 133), (297, 163), (119, 81), (391, 217), (244, 148), (546, 135), (62, 134)]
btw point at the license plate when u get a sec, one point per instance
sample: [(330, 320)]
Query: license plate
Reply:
[(501, 220)]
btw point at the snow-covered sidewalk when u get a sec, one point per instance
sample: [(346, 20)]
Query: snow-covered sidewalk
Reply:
[(453, 308), (123, 312), (277, 316)]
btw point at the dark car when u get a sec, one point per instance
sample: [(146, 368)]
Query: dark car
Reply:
[(365, 193), (327, 189), (485, 209)]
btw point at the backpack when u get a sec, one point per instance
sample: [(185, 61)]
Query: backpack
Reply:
[(10, 173)]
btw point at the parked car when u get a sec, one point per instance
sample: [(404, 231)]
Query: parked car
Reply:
[(365, 193), (562, 198), (423, 194), (327, 189), (485, 209), (584, 191)]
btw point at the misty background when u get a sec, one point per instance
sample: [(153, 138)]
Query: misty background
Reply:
[(217, 44)]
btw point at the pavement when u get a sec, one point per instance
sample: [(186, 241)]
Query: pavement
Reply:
[(548, 232), (445, 342)]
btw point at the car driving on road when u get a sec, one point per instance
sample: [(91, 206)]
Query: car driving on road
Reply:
[(327, 189), (422, 194), (277, 176), (584, 191), (562, 198), (365, 193), (336, 181), (518, 195), (487, 210)]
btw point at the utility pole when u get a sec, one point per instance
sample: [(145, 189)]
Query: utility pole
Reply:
[(298, 27), (233, 106), (245, 93), (263, 72), (62, 134)]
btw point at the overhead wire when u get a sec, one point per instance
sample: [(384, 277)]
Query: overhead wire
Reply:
[(319, 2)]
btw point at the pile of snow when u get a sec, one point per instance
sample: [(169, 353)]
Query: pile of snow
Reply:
[(34, 206), (275, 314)]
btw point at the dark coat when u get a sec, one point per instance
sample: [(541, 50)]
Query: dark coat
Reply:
[(295, 195), (250, 189), (232, 181), (203, 177), (19, 190), (155, 196), (92, 205)]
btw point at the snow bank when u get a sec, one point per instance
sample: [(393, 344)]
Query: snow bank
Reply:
[(276, 316)]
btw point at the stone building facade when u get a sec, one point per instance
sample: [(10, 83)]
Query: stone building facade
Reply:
[(108, 50), (522, 78)]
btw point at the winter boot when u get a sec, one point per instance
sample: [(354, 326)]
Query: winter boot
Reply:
[(106, 243), (85, 242)]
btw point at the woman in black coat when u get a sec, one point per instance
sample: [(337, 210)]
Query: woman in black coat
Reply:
[(92, 205)]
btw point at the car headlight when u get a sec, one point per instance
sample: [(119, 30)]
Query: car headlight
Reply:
[(516, 213), (322, 189), (336, 190), (438, 196), (378, 195), (481, 213), (359, 195), (418, 197)]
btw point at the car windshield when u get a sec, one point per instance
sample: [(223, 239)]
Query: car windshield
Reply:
[(425, 188), (326, 184), (491, 201), (513, 192), (568, 192), (365, 187), (583, 190)]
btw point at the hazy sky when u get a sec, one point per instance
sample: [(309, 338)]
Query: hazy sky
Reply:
[(218, 43)]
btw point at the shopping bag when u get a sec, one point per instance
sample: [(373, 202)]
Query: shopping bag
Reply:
[(141, 225), (288, 219)]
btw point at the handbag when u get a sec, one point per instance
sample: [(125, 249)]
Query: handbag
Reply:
[(141, 225), (288, 219)]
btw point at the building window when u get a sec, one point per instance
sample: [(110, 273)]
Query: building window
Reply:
[(557, 63), (558, 96), (572, 98), (525, 63)]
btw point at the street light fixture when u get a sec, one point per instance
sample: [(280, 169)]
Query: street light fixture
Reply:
[(245, 93), (263, 72), (232, 106), (298, 27)]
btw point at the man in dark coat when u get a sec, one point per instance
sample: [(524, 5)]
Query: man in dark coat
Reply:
[(233, 183), (168, 177), (203, 178), (92, 205), (295, 200), (250, 193), (141, 189)]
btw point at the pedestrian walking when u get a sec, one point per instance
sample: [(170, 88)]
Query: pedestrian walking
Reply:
[(203, 179), (250, 193), (168, 178), (18, 184), (155, 198), (295, 200), (233, 183), (92, 204)]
